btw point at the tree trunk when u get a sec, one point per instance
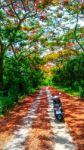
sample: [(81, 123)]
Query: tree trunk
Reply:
[(1, 67)]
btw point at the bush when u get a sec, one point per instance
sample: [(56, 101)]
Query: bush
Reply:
[(5, 104), (21, 77), (81, 90), (71, 74)]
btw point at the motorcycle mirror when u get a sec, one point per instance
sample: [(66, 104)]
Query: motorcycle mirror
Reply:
[(60, 93)]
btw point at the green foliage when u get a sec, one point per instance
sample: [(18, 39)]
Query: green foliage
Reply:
[(69, 37), (81, 90), (5, 104), (20, 77), (41, 4), (2, 14), (47, 81), (67, 89), (71, 74), (35, 37)]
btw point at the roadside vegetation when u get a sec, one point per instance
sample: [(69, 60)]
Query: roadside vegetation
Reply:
[(21, 78), (70, 77)]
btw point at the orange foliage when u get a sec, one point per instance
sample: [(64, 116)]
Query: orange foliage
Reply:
[(47, 69), (25, 28), (82, 5), (66, 2)]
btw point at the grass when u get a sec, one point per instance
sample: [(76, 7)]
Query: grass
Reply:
[(68, 90), (5, 104)]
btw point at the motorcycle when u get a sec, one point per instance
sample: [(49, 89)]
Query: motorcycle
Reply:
[(58, 111)]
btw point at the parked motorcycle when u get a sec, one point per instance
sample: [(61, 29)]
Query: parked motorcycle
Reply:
[(58, 111)]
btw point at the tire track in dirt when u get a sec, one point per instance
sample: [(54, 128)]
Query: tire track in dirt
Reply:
[(41, 137)]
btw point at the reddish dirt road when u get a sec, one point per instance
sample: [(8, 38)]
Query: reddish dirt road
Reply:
[(42, 136), (13, 120)]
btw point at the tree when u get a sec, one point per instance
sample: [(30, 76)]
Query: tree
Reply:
[(48, 29), (22, 77), (71, 73), (12, 14)]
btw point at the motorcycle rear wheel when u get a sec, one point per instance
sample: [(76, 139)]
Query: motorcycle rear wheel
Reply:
[(59, 117)]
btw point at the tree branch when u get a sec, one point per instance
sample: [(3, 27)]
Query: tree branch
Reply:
[(13, 49), (75, 31)]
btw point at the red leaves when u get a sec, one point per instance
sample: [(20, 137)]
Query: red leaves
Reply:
[(70, 45), (10, 13), (82, 5), (66, 2), (43, 17)]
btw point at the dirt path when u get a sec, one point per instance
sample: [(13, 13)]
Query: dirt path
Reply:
[(32, 126)]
